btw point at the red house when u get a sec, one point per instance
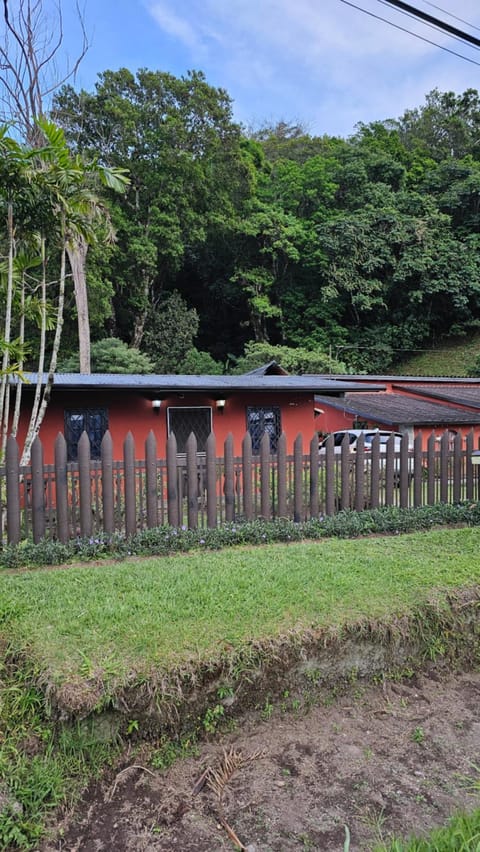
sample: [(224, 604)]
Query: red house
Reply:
[(265, 400)]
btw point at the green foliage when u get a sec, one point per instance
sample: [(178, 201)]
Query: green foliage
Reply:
[(111, 355), (296, 361), (197, 363), (170, 333), (166, 540), (41, 767), (461, 834)]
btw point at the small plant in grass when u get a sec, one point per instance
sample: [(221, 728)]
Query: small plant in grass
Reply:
[(213, 717), (418, 735), (170, 750)]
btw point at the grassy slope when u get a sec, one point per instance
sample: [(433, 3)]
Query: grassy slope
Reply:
[(157, 612), (452, 359)]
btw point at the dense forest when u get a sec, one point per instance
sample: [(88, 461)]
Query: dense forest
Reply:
[(228, 246)]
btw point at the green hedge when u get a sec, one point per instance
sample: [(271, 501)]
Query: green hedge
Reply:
[(166, 540)]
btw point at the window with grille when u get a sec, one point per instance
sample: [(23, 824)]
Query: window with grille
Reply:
[(93, 421), (261, 420), (183, 421)]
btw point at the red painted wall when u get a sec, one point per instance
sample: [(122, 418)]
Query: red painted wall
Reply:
[(131, 411)]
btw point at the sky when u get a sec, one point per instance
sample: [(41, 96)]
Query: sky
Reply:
[(321, 63)]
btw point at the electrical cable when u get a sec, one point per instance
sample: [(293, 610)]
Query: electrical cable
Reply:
[(409, 32), (451, 15), (430, 19), (427, 24)]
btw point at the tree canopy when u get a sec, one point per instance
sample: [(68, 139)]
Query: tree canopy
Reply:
[(359, 250)]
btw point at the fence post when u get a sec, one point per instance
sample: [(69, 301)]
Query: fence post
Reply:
[(192, 482), (247, 476), (444, 453), (431, 462), (108, 503), (457, 468), (297, 479), (84, 486), (151, 480), (404, 471), (330, 470), (229, 479), (314, 477), (265, 476), (375, 473), (130, 496), (418, 470), (38, 493), (282, 475), (211, 481), (61, 488), (346, 472), (172, 490), (360, 474), (390, 470), (13, 491), (469, 465)]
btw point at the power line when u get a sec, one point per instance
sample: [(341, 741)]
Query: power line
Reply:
[(432, 26), (431, 19), (410, 32), (451, 15)]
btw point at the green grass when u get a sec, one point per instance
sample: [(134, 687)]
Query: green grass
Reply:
[(152, 613), (451, 359), (462, 834)]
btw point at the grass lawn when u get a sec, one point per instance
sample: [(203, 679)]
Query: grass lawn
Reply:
[(158, 612)]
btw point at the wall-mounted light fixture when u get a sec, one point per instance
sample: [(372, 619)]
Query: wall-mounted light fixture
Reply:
[(220, 404), (156, 403)]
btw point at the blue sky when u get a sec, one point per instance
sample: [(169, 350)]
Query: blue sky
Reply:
[(318, 62)]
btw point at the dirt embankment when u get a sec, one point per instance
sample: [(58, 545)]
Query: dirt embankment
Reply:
[(315, 749), (396, 757)]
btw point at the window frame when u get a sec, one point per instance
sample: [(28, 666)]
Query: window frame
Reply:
[(184, 408), (72, 440)]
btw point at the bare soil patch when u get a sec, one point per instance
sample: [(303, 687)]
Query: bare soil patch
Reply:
[(397, 757)]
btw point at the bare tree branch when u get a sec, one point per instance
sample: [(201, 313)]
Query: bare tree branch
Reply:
[(29, 73)]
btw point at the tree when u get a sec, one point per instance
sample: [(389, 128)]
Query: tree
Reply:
[(111, 355), (188, 172), (29, 70)]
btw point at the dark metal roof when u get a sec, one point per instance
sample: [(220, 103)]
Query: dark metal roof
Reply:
[(202, 384), (270, 369), (441, 380), (395, 408), (458, 395)]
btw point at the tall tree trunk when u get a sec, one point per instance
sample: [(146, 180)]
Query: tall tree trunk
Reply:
[(77, 255), (41, 362), (34, 427), (18, 392), (4, 391), (141, 318)]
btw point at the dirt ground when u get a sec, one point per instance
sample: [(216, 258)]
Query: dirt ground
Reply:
[(397, 757)]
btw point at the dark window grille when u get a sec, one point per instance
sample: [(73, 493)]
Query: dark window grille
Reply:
[(93, 421), (261, 420), (182, 421)]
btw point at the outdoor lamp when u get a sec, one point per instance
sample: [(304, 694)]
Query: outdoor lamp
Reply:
[(220, 404), (156, 403)]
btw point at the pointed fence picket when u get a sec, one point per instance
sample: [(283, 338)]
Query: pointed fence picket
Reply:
[(203, 489)]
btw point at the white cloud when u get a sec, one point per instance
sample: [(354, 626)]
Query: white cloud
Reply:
[(325, 60)]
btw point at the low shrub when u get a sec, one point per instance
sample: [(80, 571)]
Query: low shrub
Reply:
[(166, 540)]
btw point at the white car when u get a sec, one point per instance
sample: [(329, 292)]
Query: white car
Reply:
[(370, 434)]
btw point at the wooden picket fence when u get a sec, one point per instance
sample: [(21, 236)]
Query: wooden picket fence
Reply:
[(88, 498)]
